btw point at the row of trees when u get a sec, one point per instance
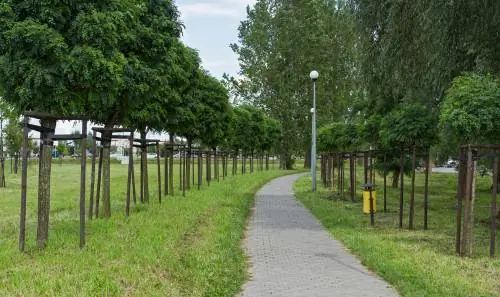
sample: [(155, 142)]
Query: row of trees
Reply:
[(118, 63), (380, 62)]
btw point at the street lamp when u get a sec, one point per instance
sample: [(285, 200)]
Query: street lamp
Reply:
[(314, 76)]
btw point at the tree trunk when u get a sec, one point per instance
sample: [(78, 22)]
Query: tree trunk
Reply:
[(44, 183), (470, 196), (307, 158), (188, 162), (2, 171), (216, 164), (144, 164), (16, 162), (106, 173), (2, 160), (498, 187), (412, 192), (395, 178)]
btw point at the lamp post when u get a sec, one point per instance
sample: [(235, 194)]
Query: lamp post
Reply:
[(314, 76)]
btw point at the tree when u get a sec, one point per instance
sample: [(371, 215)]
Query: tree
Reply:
[(82, 57), (62, 148), (183, 119), (276, 64), (215, 112), (338, 137), (470, 110), (13, 138), (150, 89), (238, 132)]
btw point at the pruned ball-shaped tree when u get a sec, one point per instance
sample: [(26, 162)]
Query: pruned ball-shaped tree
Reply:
[(215, 111), (408, 126), (94, 58), (471, 109), (338, 137)]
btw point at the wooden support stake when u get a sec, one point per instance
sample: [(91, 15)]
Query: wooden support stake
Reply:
[(385, 182), (92, 174), (494, 206), (158, 164), (129, 173), (466, 248), (426, 189), (411, 214), (462, 175), (171, 171), (24, 182), (83, 165), (401, 187), (98, 190)]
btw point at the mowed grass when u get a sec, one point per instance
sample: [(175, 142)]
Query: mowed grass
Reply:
[(185, 246), (417, 263)]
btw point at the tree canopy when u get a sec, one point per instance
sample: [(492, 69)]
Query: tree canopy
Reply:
[(471, 109)]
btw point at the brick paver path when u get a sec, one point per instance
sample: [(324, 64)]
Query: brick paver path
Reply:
[(291, 254)]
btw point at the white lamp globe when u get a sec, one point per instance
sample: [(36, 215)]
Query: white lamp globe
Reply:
[(314, 75)]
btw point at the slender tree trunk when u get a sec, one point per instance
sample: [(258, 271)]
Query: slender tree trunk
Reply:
[(307, 158), (498, 188), (2, 171), (106, 173), (171, 165), (188, 162), (44, 183), (2, 160), (412, 192), (144, 164), (470, 196), (16, 162), (395, 178)]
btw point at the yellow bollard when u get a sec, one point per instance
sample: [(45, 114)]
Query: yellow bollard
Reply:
[(367, 188)]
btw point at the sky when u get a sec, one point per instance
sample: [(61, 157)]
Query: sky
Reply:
[(210, 26)]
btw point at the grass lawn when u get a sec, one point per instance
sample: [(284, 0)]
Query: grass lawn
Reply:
[(187, 246), (417, 263)]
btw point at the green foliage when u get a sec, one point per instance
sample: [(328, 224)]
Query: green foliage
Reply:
[(471, 109), (369, 129), (152, 83), (103, 59), (251, 130), (214, 111), (338, 137), (272, 131), (276, 64), (409, 126), (62, 148), (13, 136), (183, 118)]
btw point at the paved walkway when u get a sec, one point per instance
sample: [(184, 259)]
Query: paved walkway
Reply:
[(291, 254)]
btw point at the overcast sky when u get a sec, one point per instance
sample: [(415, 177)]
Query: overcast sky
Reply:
[(210, 26)]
